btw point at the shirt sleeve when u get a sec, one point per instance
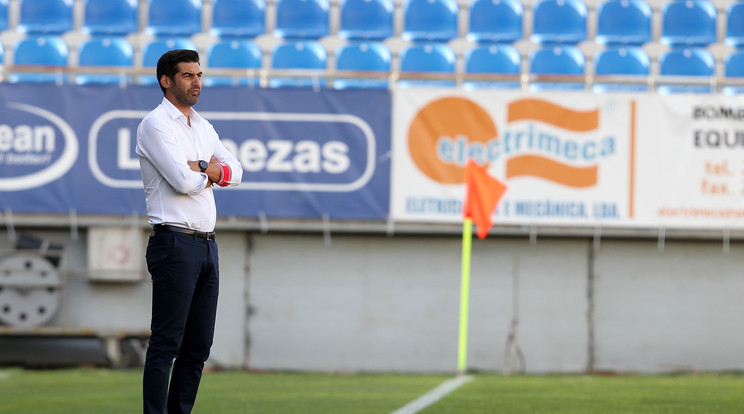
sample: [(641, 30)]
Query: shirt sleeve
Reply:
[(232, 174), (157, 142)]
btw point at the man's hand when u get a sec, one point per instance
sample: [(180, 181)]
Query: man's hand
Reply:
[(194, 166), (213, 171)]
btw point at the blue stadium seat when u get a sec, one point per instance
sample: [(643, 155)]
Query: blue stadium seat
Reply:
[(623, 22), (152, 51), (363, 56), (233, 54), (238, 18), (174, 18), (688, 23), (495, 21), (3, 14), (302, 19), (430, 20), (40, 51), (735, 24), (303, 55), (492, 59), (111, 17), (697, 62), (624, 61), (557, 60), (423, 58), (559, 21), (106, 51), (734, 68), (45, 17), (366, 19)]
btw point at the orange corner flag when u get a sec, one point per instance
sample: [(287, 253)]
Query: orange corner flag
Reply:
[(483, 193)]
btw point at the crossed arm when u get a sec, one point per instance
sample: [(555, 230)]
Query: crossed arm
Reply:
[(158, 144)]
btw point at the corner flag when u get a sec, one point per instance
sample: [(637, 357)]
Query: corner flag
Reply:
[(483, 193)]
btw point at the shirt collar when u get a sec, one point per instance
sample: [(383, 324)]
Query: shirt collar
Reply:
[(175, 113)]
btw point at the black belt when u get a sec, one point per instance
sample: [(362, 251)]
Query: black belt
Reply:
[(159, 228)]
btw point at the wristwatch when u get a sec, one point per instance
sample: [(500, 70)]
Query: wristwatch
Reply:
[(203, 165)]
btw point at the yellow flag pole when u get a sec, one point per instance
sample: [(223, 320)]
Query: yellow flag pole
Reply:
[(462, 351)]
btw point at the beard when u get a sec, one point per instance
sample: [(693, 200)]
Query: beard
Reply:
[(185, 98)]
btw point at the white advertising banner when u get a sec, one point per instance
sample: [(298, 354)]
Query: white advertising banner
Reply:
[(575, 159), (690, 162), (564, 157)]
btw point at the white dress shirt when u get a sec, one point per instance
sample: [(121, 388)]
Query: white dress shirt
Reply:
[(175, 194)]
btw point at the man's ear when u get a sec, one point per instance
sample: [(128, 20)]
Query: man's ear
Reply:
[(165, 81)]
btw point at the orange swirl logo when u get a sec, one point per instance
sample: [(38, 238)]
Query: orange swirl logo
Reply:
[(548, 169), (448, 131), (550, 113)]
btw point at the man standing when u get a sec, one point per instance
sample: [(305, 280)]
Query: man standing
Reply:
[(181, 157)]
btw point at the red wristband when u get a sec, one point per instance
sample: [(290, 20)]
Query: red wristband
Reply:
[(225, 176)]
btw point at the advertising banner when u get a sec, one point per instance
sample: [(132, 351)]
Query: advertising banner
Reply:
[(690, 164), (575, 159), (571, 158), (566, 159), (305, 154)]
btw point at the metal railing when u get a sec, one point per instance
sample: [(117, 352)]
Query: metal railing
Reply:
[(128, 76)]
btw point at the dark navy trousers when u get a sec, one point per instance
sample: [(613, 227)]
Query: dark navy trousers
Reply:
[(185, 285)]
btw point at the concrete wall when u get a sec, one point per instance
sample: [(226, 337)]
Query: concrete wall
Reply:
[(679, 308), (378, 303), (381, 303), (392, 304)]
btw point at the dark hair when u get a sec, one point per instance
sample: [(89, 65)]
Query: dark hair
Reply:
[(168, 63)]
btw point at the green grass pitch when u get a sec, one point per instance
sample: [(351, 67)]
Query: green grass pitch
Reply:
[(98, 391)]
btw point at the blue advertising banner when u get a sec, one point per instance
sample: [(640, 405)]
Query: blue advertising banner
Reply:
[(305, 154)]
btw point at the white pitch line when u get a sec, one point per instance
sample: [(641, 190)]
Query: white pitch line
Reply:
[(434, 395)]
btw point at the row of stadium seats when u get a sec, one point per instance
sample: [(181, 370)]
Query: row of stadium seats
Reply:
[(689, 22), (310, 55), (109, 21)]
